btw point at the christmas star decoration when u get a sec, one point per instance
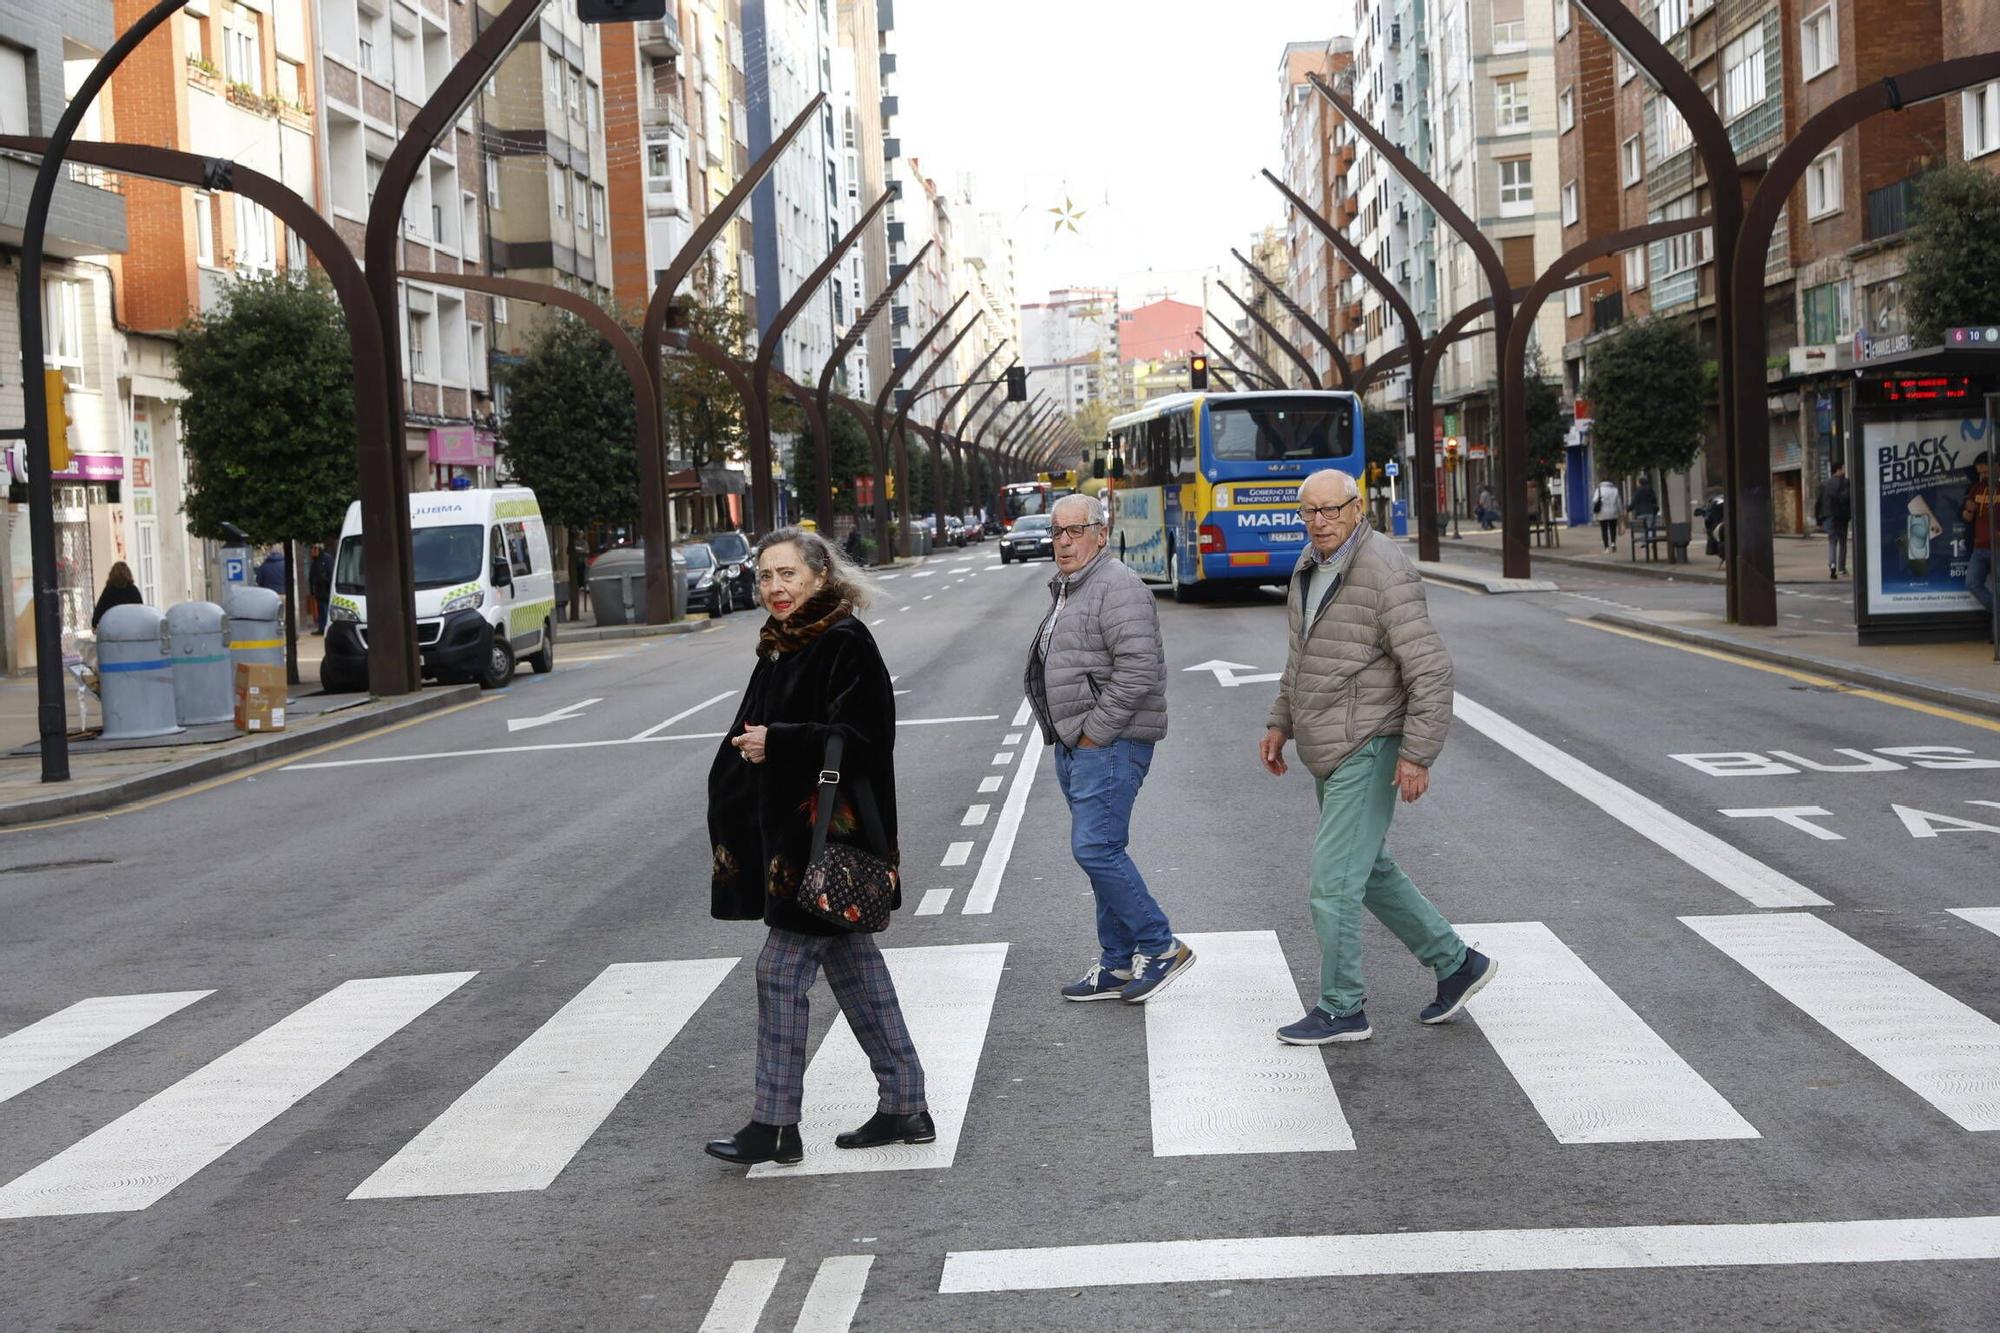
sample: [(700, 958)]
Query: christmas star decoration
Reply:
[(1067, 214)]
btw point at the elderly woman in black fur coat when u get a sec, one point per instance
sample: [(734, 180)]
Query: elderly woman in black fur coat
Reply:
[(818, 674)]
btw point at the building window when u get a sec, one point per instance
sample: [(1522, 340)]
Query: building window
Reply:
[(256, 236), (1565, 111), (475, 338), (1510, 106), (658, 173), (559, 190), (1635, 270), (499, 310), (1826, 313), (1673, 132), (1743, 73), (240, 58), (1510, 29), (597, 220), (1819, 42), (492, 180), (1678, 254), (574, 83), (1632, 161), (62, 327), (1573, 301), (1672, 17), (1572, 210), (1625, 70), (1981, 115), (204, 228), (1823, 185), (1517, 187), (1562, 18), (593, 112)]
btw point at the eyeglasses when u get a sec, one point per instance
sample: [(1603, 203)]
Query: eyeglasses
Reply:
[(1073, 531), (1327, 512)]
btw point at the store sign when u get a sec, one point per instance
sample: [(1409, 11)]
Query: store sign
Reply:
[(1917, 473), (1917, 389), (461, 446), (93, 467)]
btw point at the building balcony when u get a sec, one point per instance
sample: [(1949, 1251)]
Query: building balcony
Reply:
[(888, 63), (1607, 311), (891, 149), (665, 115), (1343, 157), (1890, 209), (659, 37)]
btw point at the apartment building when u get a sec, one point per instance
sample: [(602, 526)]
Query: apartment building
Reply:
[(864, 70), (1069, 343), (379, 61), (1973, 135), (795, 210), (45, 51), (1318, 152)]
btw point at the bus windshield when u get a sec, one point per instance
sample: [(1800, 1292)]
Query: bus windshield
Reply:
[(444, 556), (1027, 500), (1276, 433)]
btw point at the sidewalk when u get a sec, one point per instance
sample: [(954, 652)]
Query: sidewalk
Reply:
[(1685, 603)]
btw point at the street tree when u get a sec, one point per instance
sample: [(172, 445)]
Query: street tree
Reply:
[(703, 414), (851, 457), (1954, 267), (1382, 432), (1092, 421), (1649, 398), (571, 429), (1547, 425), (268, 421)]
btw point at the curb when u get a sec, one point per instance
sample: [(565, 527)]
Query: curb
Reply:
[(1539, 555), (1971, 701), (175, 776), (1479, 582), (603, 633)]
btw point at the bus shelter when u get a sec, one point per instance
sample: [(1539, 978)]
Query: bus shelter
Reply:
[(1917, 421)]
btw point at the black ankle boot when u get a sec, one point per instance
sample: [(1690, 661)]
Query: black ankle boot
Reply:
[(883, 1128), (758, 1142)]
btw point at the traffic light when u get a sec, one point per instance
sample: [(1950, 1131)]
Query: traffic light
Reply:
[(620, 11), (1017, 384), (891, 492), (1197, 373), (55, 392)]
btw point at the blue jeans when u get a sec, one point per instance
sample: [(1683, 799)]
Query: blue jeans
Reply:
[(1100, 783), (1979, 576)]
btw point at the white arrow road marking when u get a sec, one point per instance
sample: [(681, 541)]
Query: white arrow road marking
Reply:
[(1225, 673), (567, 713)]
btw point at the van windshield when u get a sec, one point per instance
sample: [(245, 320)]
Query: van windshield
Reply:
[(444, 556)]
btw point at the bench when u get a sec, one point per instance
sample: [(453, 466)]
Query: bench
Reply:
[(1649, 533)]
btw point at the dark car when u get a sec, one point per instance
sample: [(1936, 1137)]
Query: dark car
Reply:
[(701, 568), (739, 570), (1029, 537), (954, 529)]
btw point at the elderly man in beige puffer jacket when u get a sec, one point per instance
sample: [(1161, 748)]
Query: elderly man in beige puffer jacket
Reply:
[(1366, 694)]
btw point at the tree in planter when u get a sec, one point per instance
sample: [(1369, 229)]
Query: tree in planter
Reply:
[(851, 457), (1547, 424), (1649, 395), (1954, 267), (268, 422), (571, 431)]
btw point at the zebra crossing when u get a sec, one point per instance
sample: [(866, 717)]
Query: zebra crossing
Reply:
[(1592, 1067)]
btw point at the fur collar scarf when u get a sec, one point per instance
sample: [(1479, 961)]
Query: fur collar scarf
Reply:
[(810, 619)]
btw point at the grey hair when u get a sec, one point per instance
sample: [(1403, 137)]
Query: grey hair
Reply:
[(823, 558), (1093, 507)]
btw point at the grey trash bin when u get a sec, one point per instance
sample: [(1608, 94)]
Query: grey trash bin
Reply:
[(198, 647), (618, 586), (135, 679), (256, 627)]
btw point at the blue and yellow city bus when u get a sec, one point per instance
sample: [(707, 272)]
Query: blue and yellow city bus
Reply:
[(1209, 495)]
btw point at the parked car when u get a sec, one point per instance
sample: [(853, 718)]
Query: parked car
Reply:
[(975, 531), (954, 529), (738, 576), (1029, 537), (702, 588)]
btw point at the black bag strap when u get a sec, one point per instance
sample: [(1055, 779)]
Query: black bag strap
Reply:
[(829, 796)]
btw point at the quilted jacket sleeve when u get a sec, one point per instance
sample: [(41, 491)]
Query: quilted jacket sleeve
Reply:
[(1130, 624), (1422, 662)]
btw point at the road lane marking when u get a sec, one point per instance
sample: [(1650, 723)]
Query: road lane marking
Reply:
[(740, 1300), (1003, 758), (684, 714), (1012, 737), (835, 1294), (883, 620), (946, 993), (520, 1125), (934, 902), (145, 1154), (975, 815), (1594, 1070), (991, 784), (1939, 1048), (567, 713), (1739, 872), (1540, 1250), (1000, 848), (1803, 677), (927, 597), (902, 608), (43, 1049), (1220, 1081), (957, 854), (1021, 715)]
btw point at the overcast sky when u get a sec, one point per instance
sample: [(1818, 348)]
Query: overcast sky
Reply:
[(1152, 117)]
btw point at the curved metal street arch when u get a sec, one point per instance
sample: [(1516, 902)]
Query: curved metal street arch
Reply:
[(1341, 365)]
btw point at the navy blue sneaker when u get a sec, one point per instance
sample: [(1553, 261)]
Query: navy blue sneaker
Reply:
[(1100, 983), (1150, 976), (1319, 1028), (1460, 986)]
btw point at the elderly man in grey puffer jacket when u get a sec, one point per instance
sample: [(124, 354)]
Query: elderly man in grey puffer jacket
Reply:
[(1366, 693), (1097, 679)]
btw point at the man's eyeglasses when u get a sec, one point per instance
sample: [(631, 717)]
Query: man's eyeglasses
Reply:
[(1073, 531), (1327, 512)]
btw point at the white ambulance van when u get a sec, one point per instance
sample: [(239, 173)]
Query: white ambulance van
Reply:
[(486, 595)]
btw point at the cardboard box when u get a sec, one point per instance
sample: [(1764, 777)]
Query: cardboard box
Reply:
[(260, 696)]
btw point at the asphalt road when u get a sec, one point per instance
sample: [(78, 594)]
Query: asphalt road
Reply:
[(426, 1030)]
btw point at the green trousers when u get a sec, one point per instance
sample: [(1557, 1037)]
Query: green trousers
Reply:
[(1352, 869)]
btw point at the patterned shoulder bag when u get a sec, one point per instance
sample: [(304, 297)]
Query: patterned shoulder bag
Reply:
[(844, 885)]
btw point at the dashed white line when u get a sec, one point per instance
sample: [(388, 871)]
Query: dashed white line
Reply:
[(1004, 758), (974, 816), (991, 784), (957, 854)]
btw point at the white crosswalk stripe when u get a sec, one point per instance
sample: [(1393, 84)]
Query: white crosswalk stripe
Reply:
[(1940, 1048), (42, 1050), (517, 1128), (1591, 1066), (140, 1157), (1220, 1082)]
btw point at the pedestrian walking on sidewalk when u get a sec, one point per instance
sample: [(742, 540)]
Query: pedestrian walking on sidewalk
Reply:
[(119, 590), (1835, 510), (1097, 680), (1978, 514), (1607, 506), (819, 676), (1366, 694), (1484, 512)]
